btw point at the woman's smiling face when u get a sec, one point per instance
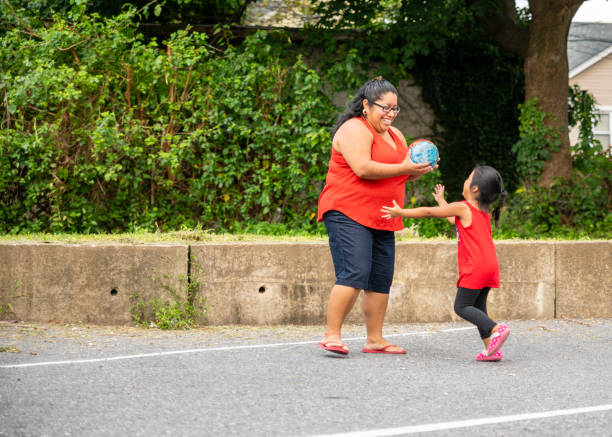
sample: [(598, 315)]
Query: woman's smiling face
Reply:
[(375, 111)]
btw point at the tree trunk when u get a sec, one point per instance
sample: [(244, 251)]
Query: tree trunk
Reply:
[(546, 75), (543, 46)]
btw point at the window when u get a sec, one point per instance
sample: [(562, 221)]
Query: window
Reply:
[(603, 129)]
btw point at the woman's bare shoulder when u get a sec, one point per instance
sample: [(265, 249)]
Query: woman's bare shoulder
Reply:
[(354, 122), (352, 127)]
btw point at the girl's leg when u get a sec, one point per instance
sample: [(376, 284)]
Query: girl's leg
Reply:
[(465, 307), (481, 304)]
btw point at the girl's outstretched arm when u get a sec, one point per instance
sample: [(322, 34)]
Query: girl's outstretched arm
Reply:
[(438, 195), (458, 209)]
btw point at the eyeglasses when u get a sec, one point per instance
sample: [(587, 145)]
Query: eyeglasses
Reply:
[(387, 109)]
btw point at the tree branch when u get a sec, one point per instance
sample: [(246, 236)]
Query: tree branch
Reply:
[(500, 24), (240, 13)]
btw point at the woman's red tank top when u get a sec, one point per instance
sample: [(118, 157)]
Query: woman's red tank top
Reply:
[(361, 199), (477, 260)]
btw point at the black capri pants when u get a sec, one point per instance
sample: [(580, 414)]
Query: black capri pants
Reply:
[(471, 305)]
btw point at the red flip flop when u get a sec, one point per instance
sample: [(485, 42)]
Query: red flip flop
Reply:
[(384, 350), (336, 349)]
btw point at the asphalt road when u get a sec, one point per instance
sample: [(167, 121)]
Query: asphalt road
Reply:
[(60, 380)]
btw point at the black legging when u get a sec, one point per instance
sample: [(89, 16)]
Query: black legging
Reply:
[(471, 305)]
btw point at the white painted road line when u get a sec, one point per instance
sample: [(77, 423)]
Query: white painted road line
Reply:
[(211, 349), (468, 423)]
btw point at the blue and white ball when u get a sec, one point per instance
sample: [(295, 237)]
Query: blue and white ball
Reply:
[(424, 151)]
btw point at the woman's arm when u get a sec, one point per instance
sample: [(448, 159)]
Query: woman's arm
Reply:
[(458, 209), (354, 141)]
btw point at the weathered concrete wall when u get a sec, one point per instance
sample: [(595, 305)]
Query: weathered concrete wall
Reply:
[(584, 279), (527, 272), (274, 283), (86, 283), (289, 283), (425, 281)]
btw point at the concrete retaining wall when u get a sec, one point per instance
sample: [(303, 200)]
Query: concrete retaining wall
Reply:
[(584, 279), (86, 283), (289, 283)]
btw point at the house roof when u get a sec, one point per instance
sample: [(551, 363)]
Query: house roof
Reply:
[(587, 44)]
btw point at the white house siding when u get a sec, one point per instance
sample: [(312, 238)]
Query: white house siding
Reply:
[(597, 79)]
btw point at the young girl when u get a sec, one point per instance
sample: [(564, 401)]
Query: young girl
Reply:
[(478, 265)]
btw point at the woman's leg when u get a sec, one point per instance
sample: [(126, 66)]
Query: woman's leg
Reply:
[(340, 303), (351, 248), (465, 307), (375, 308), (376, 296)]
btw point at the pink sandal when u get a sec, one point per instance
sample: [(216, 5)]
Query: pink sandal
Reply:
[(336, 347), (385, 350), (498, 339), (497, 356)]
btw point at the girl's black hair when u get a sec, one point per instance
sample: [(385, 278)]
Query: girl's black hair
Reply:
[(372, 90), (490, 187)]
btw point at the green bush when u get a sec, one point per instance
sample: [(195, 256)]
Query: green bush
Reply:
[(537, 140), (106, 132), (103, 131), (577, 207), (185, 308)]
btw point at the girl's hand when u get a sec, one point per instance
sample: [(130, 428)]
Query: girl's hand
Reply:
[(391, 211), (438, 193)]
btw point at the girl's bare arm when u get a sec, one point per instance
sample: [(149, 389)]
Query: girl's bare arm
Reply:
[(455, 209)]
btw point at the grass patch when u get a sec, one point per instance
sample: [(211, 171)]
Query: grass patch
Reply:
[(158, 237), (408, 234)]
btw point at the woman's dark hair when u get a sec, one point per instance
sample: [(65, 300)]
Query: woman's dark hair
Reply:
[(372, 90), (490, 187)]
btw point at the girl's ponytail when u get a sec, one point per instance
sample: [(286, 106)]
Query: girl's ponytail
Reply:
[(490, 188), (498, 209)]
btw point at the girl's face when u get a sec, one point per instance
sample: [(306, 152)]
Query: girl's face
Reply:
[(469, 193), (381, 112)]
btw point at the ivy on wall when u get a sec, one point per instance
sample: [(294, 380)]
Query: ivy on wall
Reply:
[(103, 131)]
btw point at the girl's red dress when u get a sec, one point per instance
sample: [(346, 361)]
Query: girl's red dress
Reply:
[(478, 265)]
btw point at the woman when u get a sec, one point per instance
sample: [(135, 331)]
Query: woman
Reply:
[(368, 168)]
